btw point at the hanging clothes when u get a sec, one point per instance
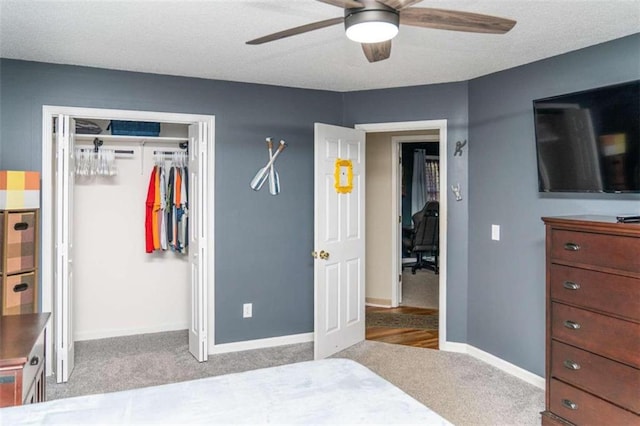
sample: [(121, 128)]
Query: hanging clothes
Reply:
[(169, 211), (157, 220), (166, 221), (181, 210), (185, 209), (163, 209), (178, 218), (148, 221), (174, 209)]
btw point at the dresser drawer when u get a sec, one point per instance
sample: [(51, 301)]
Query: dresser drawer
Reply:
[(620, 384), (550, 419), (33, 365), (617, 252), (10, 385), (19, 242), (603, 335), (610, 293), (582, 408), (19, 294)]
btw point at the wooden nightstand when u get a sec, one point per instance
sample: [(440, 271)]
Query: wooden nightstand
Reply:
[(22, 358)]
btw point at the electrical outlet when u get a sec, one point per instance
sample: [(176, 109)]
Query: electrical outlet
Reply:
[(247, 310)]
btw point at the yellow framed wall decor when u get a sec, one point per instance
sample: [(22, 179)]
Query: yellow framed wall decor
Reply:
[(343, 176)]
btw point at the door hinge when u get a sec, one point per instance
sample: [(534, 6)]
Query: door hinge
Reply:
[(399, 160), (399, 277), (399, 219)]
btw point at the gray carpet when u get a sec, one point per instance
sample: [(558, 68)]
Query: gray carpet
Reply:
[(120, 363), (460, 388), (420, 290)]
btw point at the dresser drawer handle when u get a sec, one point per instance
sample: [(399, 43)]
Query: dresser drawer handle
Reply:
[(571, 324), (569, 285), (20, 287), (571, 246), (21, 226), (35, 360), (569, 404), (571, 365)]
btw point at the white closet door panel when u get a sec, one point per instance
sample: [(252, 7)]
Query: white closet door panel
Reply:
[(64, 274), (198, 202)]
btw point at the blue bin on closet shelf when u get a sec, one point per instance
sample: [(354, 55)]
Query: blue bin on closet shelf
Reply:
[(134, 128)]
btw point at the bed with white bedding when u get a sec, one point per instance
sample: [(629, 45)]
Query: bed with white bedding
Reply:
[(331, 391)]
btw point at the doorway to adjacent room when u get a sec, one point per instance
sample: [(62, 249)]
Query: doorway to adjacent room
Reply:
[(403, 307)]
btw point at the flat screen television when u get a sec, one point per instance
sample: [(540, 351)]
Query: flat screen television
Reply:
[(589, 141)]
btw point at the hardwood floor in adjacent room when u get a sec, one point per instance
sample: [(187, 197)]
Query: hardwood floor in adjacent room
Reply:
[(403, 334)]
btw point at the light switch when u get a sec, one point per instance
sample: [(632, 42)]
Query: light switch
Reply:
[(495, 232), (247, 310)]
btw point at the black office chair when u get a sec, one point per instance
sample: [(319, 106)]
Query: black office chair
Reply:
[(425, 238)]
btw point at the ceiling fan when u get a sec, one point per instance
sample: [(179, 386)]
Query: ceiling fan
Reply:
[(373, 23)]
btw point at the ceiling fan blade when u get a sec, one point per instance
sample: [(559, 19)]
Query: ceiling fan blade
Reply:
[(398, 4), (454, 20), (297, 30), (377, 51), (345, 4)]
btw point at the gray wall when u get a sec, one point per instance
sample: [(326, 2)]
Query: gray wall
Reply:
[(506, 311), (433, 102), (262, 242), (276, 276)]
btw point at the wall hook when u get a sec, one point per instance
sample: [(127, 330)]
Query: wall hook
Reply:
[(459, 146), (456, 191)]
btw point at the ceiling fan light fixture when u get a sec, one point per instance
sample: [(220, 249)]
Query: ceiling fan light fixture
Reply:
[(371, 26)]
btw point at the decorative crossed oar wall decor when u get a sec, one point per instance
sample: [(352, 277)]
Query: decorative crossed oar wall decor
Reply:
[(269, 172)]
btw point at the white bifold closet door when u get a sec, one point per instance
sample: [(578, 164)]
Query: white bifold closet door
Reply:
[(65, 141), (198, 239)]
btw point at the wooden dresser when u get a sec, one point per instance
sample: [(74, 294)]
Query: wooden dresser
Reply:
[(593, 321), (18, 261), (22, 359)]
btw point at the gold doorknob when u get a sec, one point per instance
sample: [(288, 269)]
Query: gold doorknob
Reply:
[(314, 254), (324, 255)]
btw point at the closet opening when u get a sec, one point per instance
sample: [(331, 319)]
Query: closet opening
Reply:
[(130, 220), (122, 286)]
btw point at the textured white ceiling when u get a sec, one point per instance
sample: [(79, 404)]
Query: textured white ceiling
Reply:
[(207, 39)]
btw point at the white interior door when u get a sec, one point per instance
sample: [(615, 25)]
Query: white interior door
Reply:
[(65, 141), (398, 201), (339, 291), (198, 214)]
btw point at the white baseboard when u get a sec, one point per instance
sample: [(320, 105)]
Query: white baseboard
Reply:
[(269, 342), (493, 360), (378, 303), (454, 347), (105, 334), (377, 306)]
